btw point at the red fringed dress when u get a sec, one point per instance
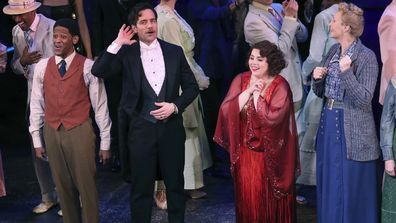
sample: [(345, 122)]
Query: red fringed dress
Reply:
[(263, 151)]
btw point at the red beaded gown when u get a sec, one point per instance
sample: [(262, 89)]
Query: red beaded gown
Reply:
[(263, 150)]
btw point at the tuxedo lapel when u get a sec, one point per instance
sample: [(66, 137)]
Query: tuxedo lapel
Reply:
[(137, 66)]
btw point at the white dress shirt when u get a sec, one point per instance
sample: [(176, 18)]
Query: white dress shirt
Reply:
[(97, 95), (152, 60)]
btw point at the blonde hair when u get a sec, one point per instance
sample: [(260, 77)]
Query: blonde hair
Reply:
[(352, 16)]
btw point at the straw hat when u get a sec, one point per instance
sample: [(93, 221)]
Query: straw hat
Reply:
[(17, 7)]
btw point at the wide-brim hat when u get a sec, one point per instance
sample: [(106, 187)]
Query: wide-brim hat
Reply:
[(17, 7)]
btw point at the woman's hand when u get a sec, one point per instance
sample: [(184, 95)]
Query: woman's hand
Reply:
[(319, 73), (345, 63), (390, 167), (256, 86)]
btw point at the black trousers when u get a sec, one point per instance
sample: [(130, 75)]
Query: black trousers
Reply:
[(153, 147)]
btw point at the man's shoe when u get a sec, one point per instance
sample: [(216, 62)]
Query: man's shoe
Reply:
[(301, 200), (197, 194), (60, 213), (43, 207)]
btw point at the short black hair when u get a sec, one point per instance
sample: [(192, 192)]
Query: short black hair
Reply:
[(69, 24), (134, 14)]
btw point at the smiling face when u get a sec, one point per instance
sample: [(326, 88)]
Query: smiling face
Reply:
[(25, 20), (146, 26), (258, 65), (63, 41)]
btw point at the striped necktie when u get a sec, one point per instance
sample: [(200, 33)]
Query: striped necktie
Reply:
[(275, 14), (28, 38)]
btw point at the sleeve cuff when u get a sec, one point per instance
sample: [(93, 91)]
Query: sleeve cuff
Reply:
[(387, 153), (291, 18), (36, 138), (113, 48), (105, 145), (176, 109)]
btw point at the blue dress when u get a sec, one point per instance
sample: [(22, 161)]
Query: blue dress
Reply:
[(346, 189)]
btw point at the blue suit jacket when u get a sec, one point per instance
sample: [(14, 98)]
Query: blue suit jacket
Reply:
[(214, 35)]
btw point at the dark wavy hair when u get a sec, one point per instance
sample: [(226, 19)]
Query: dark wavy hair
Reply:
[(135, 12), (275, 58)]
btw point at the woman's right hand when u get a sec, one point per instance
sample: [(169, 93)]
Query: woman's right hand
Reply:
[(390, 167), (125, 35), (319, 73), (256, 86)]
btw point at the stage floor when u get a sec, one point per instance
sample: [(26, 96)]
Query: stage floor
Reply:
[(23, 195)]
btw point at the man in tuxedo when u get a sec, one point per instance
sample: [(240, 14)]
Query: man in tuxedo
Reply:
[(151, 133), (108, 16)]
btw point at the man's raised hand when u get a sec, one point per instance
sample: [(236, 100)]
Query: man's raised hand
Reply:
[(125, 35)]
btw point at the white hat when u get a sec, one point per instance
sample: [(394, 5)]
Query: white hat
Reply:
[(17, 7)]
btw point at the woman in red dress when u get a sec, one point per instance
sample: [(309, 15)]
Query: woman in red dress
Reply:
[(256, 124)]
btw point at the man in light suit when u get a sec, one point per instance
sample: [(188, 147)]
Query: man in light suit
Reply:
[(151, 135), (387, 35), (32, 40), (278, 24)]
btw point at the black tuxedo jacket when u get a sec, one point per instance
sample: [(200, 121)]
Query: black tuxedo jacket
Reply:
[(127, 61)]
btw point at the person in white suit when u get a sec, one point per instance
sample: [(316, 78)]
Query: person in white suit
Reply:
[(32, 40)]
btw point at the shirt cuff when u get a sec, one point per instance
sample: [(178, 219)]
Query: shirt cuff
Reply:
[(291, 18), (105, 145), (387, 153), (113, 48), (176, 109), (36, 138)]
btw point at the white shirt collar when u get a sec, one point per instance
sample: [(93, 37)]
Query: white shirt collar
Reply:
[(35, 23), (153, 45), (68, 59)]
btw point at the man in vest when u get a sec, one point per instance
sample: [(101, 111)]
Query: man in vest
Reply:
[(62, 94)]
